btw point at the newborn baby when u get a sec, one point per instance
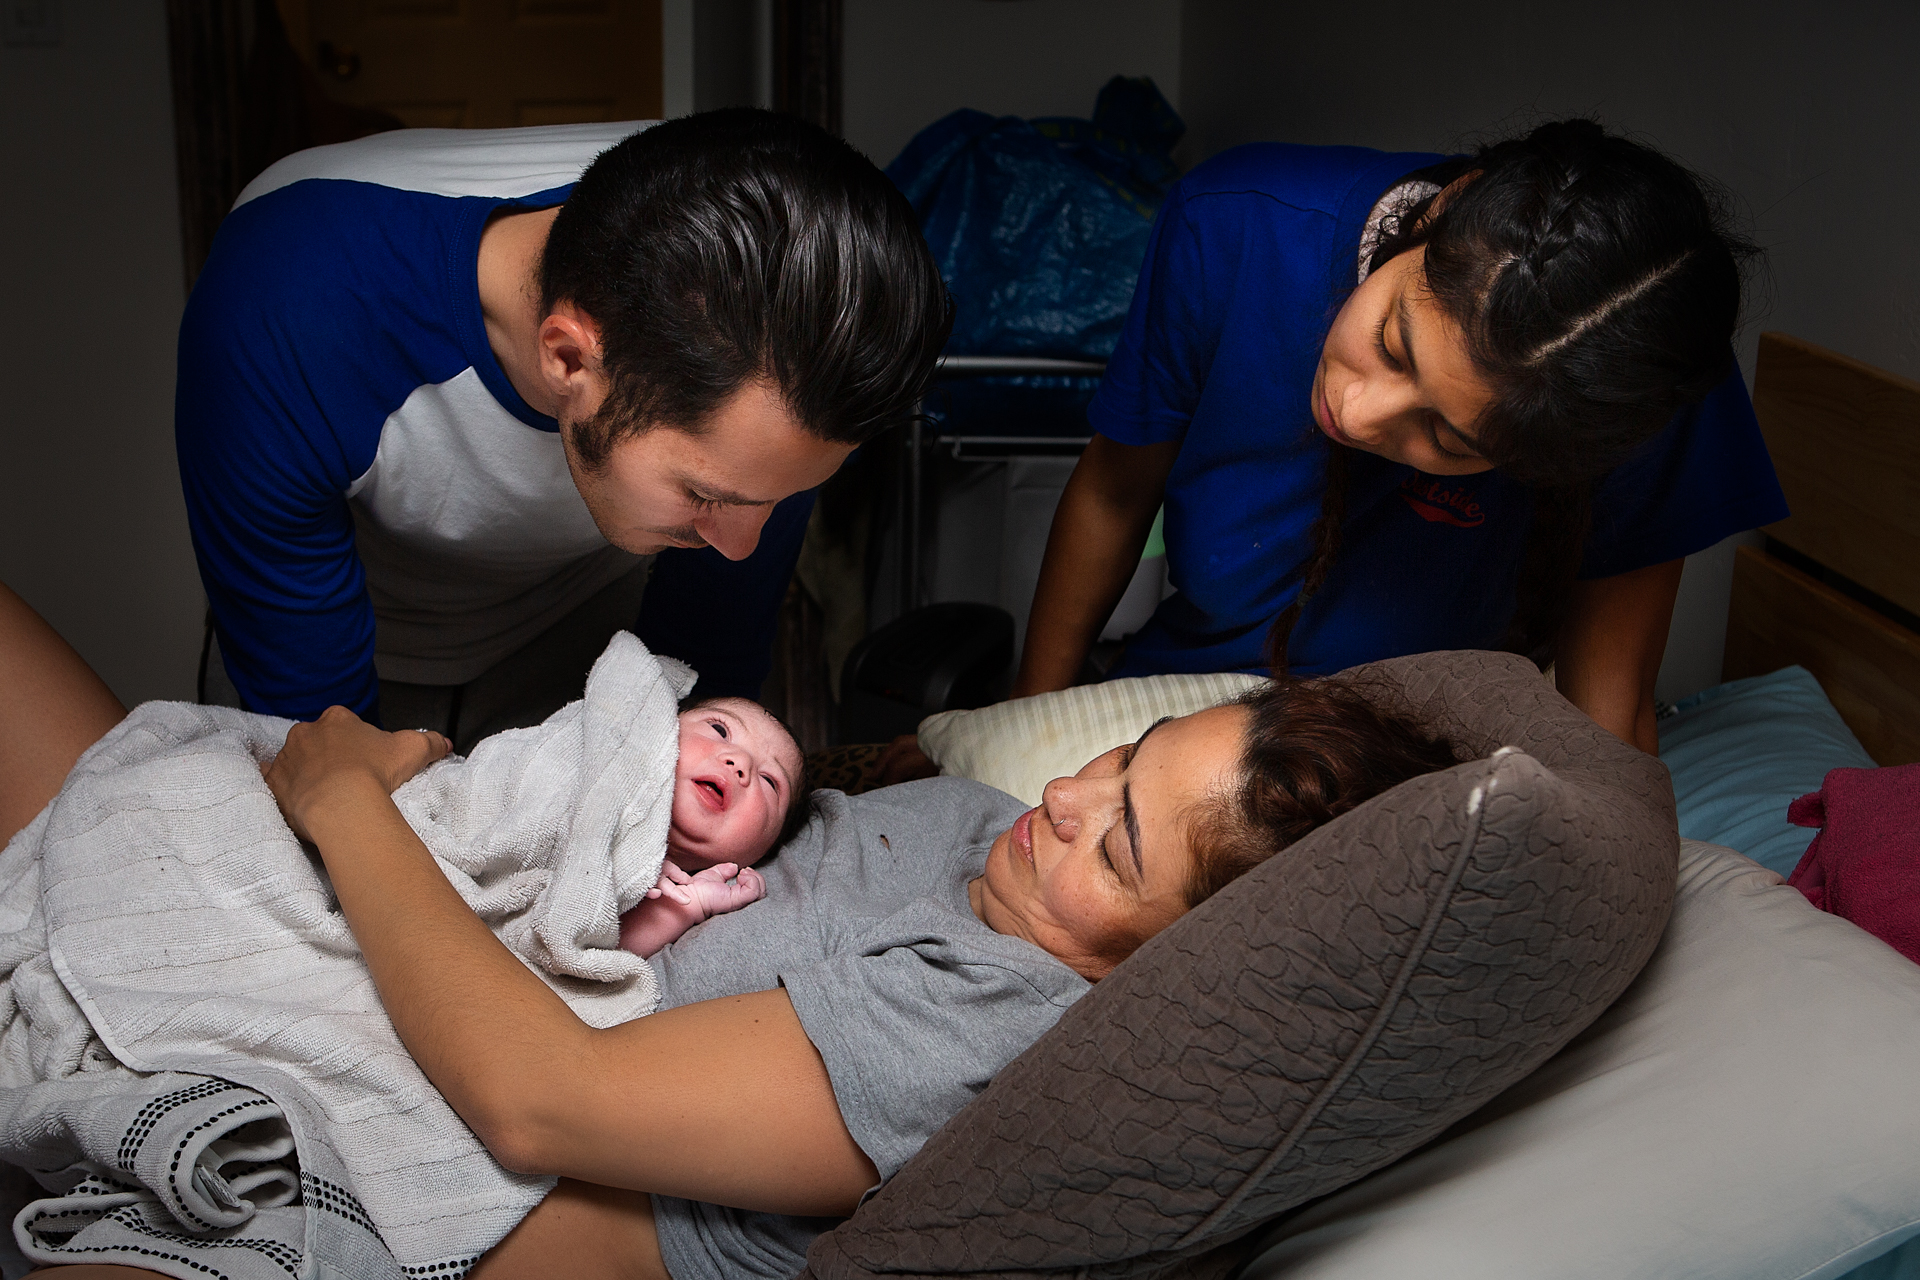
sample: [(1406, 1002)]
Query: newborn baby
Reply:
[(738, 791)]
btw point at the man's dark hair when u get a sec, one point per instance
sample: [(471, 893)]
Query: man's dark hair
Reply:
[(739, 244)]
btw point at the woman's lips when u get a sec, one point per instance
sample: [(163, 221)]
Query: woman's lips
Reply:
[(1023, 835), (1323, 418)]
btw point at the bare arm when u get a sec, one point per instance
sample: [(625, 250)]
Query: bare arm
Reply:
[(1611, 647), (52, 708), (1093, 549), (630, 1106)]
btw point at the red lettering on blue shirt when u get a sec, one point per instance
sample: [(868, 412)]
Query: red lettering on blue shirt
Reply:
[(1434, 501)]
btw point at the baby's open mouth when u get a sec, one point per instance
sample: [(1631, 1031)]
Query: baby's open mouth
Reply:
[(711, 792)]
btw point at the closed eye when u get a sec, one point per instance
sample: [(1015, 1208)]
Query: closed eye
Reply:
[(1380, 344), (1433, 430)]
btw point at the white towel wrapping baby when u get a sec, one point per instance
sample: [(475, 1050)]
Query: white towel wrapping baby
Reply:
[(159, 917)]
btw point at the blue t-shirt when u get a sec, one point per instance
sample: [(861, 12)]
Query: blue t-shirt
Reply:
[(368, 494), (1251, 257)]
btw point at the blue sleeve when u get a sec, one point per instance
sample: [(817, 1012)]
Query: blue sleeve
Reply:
[(1160, 364), (718, 615), (264, 479), (1705, 477)]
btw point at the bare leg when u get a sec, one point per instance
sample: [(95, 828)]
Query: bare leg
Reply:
[(598, 1233), (52, 708)]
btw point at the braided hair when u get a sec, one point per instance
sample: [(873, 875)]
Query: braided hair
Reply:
[(1597, 283)]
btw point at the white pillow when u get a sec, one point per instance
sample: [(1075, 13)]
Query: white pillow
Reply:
[(1748, 1109), (1021, 746)]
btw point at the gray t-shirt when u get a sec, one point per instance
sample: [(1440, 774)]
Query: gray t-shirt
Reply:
[(913, 1003)]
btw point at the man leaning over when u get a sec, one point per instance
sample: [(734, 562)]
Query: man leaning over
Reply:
[(442, 396)]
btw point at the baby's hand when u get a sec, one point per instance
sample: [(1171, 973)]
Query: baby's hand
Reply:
[(668, 885), (716, 896), (679, 901)]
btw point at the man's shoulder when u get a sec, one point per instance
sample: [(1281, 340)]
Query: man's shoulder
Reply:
[(500, 163)]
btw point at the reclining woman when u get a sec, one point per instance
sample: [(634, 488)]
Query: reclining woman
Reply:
[(912, 942)]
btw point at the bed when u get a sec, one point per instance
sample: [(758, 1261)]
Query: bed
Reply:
[(1745, 1111)]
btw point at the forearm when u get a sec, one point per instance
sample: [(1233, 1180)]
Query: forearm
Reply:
[(1093, 550), (632, 1106), (1611, 648), (484, 1029)]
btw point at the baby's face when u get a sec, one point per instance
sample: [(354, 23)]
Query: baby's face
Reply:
[(734, 782)]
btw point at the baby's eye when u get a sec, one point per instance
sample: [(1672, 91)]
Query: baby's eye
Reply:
[(719, 727), (769, 780)]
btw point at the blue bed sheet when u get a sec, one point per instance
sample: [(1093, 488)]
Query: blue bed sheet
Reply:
[(1741, 752)]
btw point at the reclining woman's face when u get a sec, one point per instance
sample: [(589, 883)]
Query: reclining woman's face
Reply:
[(1103, 864)]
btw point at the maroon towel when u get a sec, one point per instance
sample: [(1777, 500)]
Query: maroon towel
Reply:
[(1864, 866)]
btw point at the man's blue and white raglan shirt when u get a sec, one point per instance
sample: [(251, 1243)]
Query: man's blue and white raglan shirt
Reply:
[(366, 490), (1250, 259)]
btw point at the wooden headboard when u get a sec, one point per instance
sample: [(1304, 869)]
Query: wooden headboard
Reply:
[(1839, 587)]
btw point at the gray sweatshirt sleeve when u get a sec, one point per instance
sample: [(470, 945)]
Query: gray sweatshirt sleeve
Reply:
[(918, 1020)]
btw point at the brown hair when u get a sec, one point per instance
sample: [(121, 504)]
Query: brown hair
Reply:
[(1312, 750)]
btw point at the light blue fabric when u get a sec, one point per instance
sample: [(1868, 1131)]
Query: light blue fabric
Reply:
[(1741, 752)]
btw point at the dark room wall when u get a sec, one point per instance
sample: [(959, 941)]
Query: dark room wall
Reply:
[(1808, 113), (92, 527), (909, 62)]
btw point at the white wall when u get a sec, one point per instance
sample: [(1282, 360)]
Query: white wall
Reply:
[(909, 62), (1808, 113), (92, 526)]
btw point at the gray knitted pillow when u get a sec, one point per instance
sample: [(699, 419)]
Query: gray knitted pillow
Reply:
[(1319, 1018)]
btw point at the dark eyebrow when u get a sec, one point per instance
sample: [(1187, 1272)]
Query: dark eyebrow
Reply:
[(1406, 343), (720, 497), (1149, 729), (1413, 370), (1131, 816), (1132, 819)]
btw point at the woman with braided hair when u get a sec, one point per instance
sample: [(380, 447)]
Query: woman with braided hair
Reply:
[(1399, 402)]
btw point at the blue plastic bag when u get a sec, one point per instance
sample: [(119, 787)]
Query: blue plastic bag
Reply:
[(1039, 227)]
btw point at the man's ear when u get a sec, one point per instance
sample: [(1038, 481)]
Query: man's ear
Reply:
[(570, 358)]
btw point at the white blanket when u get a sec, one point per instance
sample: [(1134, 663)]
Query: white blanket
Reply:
[(193, 1059)]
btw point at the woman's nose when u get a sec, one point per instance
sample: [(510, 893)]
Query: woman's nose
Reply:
[(1383, 402), (1066, 804)]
